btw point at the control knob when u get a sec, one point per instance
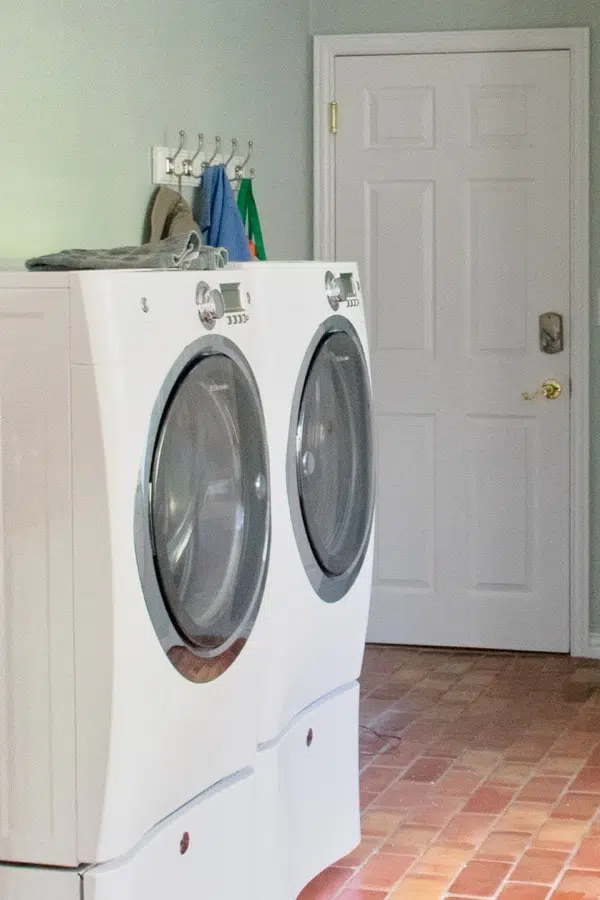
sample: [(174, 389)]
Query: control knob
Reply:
[(210, 304)]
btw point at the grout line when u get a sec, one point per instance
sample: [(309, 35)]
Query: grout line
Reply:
[(569, 725)]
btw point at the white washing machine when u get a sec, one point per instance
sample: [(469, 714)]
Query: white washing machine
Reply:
[(205, 849), (135, 532), (317, 402)]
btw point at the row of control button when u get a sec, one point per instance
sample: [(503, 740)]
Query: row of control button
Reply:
[(211, 305)]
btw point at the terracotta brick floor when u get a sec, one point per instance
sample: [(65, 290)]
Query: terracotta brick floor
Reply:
[(480, 777)]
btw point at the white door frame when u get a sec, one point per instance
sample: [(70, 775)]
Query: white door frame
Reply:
[(577, 42)]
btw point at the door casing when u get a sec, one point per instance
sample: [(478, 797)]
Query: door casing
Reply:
[(577, 42)]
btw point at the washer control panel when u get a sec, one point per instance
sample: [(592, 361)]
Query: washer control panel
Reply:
[(225, 302), (343, 288)]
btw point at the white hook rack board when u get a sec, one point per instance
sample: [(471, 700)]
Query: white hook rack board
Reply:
[(159, 165)]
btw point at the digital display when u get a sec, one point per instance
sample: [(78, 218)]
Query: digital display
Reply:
[(348, 284), (232, 298)]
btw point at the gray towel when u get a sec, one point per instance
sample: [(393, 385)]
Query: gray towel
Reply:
[(182, 251)]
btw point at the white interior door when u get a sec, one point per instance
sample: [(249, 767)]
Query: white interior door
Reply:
[(452, 192)]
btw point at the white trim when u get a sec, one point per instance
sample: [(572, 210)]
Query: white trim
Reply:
[(577, 42), (594, 645)]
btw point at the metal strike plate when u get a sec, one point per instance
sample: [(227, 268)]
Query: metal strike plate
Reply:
[(552, 339)]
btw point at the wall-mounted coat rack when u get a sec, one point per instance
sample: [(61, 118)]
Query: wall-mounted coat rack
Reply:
[(181, 167)]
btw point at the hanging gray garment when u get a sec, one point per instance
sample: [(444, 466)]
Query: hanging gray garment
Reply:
[(170, 214), (183, 251)]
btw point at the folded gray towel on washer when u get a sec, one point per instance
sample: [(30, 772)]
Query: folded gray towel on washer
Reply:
[(181, 251)]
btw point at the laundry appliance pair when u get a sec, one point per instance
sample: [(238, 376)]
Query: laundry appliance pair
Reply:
[(186, 498)]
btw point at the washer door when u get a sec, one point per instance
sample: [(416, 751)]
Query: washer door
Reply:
[(330, 460), (208, 512)]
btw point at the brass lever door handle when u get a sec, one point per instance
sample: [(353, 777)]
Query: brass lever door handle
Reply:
[(550, 390)]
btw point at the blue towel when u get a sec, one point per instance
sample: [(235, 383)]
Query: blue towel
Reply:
[(218, 216)]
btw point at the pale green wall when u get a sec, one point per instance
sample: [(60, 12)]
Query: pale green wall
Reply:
[(359, 17), (87, 87)]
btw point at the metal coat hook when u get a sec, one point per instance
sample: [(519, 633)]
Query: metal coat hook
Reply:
[(189, 163), (234, 143), (170, 163), (210, 161), (176, 167), (239, 170)]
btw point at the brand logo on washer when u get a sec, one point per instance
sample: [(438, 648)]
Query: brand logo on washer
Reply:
[(213, 388)]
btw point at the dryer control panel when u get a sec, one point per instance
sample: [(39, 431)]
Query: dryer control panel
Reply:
[(226, 302), (343, 288)]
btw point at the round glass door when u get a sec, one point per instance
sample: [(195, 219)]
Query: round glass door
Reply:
[(333, 460), (208, 512)]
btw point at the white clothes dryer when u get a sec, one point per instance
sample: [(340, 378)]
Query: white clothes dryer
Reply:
[(317, 402), (135, 533), (316, 395)]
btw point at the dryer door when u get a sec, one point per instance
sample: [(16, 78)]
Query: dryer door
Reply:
[(206, 502), (330, 459)]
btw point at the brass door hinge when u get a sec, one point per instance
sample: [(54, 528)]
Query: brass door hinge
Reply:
[(333, 117)]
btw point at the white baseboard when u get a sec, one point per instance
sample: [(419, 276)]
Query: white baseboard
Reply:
[(593, 648)]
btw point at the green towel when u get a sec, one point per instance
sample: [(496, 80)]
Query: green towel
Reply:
[(249, 211)]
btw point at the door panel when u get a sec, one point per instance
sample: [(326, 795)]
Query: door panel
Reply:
[(452, 192), (407, 323), (405, 553)]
